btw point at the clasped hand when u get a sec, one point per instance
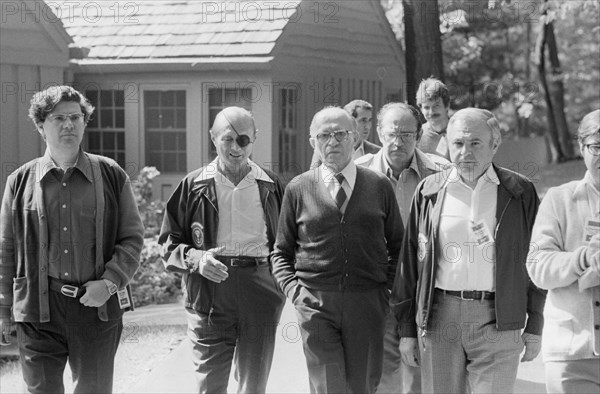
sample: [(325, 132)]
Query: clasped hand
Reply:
[(205, 263)]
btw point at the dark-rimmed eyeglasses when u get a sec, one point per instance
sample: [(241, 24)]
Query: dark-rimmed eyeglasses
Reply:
[(593, 148), (405, 136), (339, 135), (62, 118)]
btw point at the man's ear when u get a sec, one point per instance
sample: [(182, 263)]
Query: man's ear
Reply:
[(311, 140), (40, 129), (379, 135)]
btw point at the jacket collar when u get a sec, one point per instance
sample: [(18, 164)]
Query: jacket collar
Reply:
[(508, 180), (211, 171)]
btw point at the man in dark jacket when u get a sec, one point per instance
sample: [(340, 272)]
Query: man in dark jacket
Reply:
[(71, 238), (218, 230), (335, 256), (462, 282)]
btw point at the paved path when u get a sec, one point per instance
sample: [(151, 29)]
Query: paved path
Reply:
[(174, 374)]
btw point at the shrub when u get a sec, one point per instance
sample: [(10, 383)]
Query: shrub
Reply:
[(152, 284)]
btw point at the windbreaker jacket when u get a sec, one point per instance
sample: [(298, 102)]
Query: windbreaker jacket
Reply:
[(517, 298), (191, 221), (24, 236)]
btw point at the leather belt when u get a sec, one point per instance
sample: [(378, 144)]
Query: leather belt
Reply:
[(64, 288), (243, 261), (470, 294)]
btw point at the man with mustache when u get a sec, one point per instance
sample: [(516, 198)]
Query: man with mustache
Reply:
[(434, 101), (466, 247), (71, 237), (399, 129), (335, 255), (218, 230)]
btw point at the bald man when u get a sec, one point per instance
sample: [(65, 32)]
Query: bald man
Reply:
[(335, 255), (466, 246), (218, 230)]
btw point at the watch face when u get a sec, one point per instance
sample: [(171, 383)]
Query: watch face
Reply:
[(112, 289)]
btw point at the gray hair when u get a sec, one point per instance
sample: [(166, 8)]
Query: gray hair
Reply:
[(483, 114)]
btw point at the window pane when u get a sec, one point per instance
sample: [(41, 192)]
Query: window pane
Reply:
[(93, 140), (180, 98), (106, 118), (170, 162), (106, 98), (167, 119), (169, 141), (232, 96), (151, 98), (214, 97), (121, 140), (121, 159), (181, 145), (167, 99), (154, 141), (180, 124), (120, 118), (119, 98), (92, 96), (152, 120), (154, 160), (109, 141)]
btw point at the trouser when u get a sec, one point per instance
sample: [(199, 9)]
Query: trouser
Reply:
[(241, 328), (342, 335), (397, 377), (74, 333), (573, 376), (464, 352)]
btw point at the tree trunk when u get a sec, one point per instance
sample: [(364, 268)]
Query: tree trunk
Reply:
[(557, 93), (540, 56), (423, 44)]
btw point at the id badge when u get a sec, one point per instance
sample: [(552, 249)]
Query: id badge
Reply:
[(592, 228), (123, 296), (482, 233)]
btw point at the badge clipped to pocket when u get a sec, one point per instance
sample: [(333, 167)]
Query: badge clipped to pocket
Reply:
[(124, 297), (592, 228), (482, 233)]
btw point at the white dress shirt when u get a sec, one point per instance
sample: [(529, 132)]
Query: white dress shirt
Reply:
[(242, 228), (467, 254), (333, 186)]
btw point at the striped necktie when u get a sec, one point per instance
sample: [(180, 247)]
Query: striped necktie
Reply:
[(340, 197)]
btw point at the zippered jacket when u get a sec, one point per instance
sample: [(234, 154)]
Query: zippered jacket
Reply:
[(518, 300), (191, 221)]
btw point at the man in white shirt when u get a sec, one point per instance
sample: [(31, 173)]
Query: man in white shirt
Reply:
[(219, 228), (466, 246), (399, 129)]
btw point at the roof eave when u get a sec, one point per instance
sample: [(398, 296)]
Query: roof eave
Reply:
[(102, 66)]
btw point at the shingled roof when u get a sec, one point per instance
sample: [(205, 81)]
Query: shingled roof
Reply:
[(176, 31)]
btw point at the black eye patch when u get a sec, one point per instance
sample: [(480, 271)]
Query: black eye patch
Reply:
[(242, 140)]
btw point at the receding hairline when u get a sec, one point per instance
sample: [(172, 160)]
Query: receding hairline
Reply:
[(322, 112)]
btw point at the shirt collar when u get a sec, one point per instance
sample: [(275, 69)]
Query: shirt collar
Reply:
[(349, 172), (211, 170), (488, 176), (82, 164), (387, 170), (587, 184)]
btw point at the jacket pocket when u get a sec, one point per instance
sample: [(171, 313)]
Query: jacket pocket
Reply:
[(199, 292), (25, 300)]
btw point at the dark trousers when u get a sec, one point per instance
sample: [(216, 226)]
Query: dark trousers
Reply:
[(342, 334), (74, 333), (241, 328)]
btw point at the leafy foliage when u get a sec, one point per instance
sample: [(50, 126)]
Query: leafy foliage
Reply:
[(152, 284)]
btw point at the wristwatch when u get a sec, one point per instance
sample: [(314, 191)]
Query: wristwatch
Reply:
[(112, 288)]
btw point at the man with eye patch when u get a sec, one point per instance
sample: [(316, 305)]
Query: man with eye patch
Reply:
[(218, 230), (335, 256), (71, 237)]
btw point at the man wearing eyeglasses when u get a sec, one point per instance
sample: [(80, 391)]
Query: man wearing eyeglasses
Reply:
[(399, 129), (219, 227), (336, 251), (362, 112), (71, 237)]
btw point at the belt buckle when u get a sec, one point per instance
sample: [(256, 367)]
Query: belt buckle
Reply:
[(69, 291), (234, 262), (462, 297)]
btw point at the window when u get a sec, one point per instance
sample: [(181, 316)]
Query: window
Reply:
[(105, 132), (164, 114), (219, 98), (288, 129)]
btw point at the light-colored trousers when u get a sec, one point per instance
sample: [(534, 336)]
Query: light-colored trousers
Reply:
[(573, 376), (463, 351)]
